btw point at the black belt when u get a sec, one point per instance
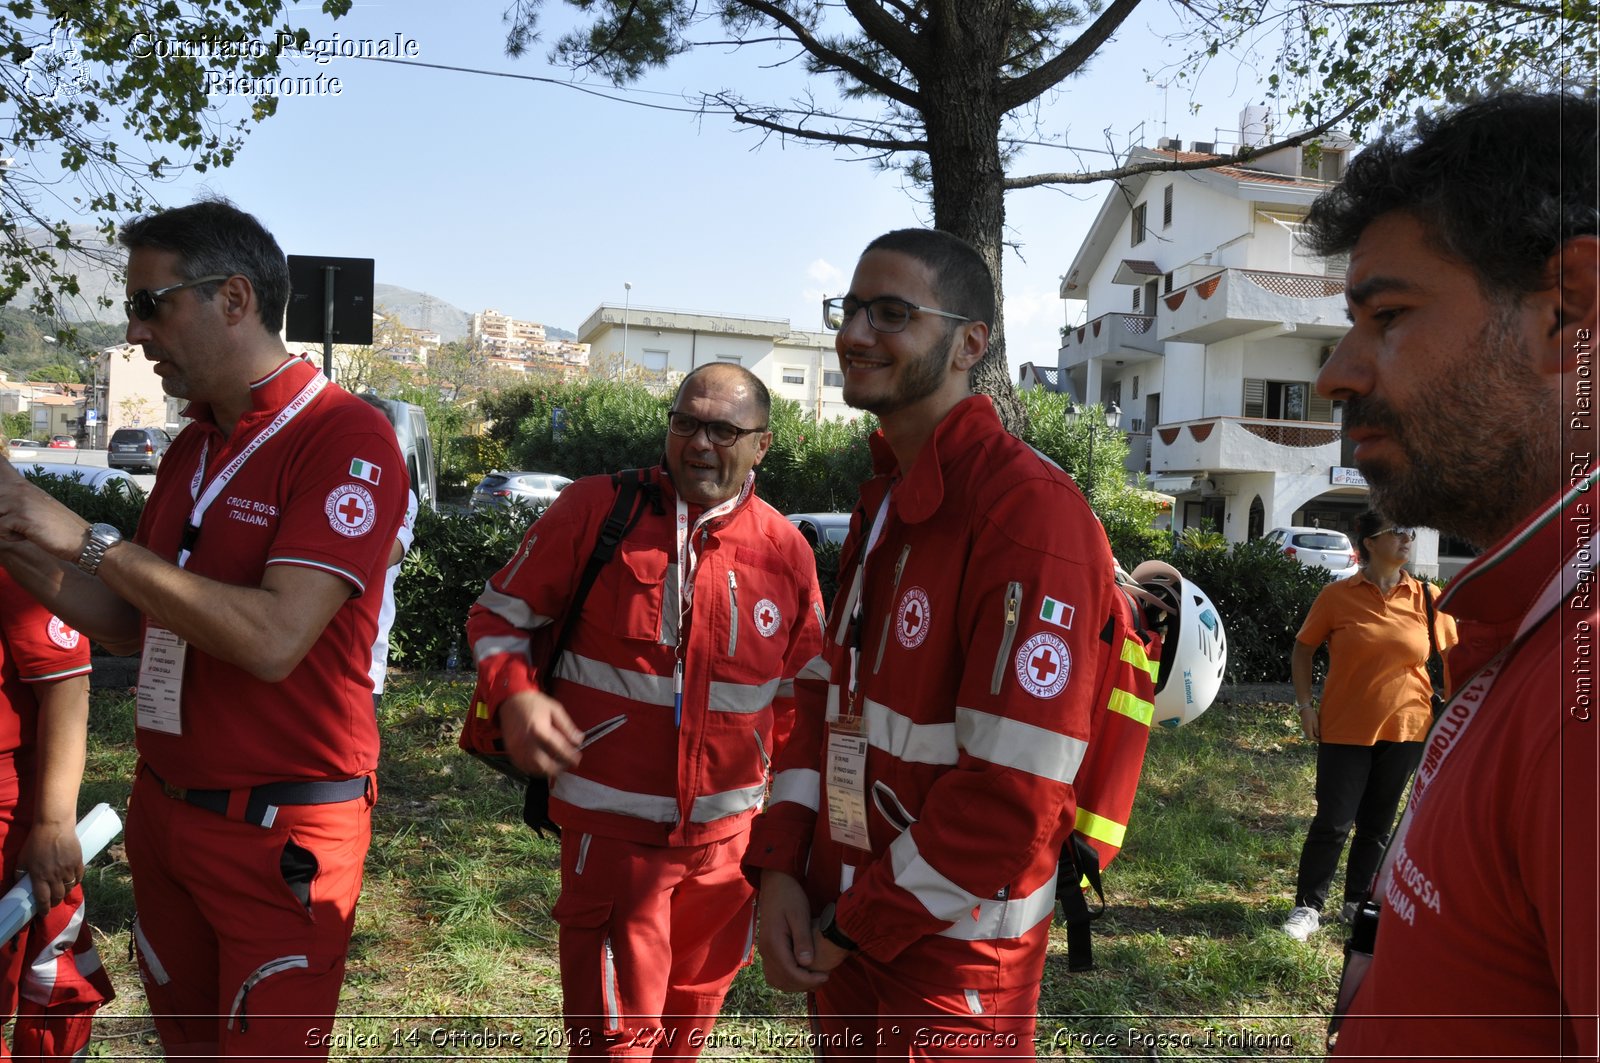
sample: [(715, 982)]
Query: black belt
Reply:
[(261, 803)]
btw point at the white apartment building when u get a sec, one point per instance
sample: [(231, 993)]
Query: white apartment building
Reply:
[(1206, 323), (793, 364)]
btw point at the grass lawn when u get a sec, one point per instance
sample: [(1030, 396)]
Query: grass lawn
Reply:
[(455, 953)]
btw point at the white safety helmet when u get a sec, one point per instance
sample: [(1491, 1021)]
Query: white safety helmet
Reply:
[(1194, 648)]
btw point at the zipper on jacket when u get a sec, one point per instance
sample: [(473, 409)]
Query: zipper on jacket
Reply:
[(733, 607), (890, 616), (1013, 607), (766, 758)]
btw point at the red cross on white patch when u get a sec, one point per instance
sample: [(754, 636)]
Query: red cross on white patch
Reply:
[(767, 617), (350, 510), (913, 618), (61, 634), (1043, 665)]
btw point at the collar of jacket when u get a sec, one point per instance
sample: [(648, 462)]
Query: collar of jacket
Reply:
[(920, 494)]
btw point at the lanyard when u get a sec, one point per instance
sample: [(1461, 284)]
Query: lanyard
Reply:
[(203, 499), (688, 558), (857, 623)]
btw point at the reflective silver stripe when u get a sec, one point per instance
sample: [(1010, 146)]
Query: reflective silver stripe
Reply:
[(816, 668), (624, 683), (260, 974), (511, 609), (152, 962), (742, 697), (583, 854), (1013, 917), (996, 919), (669, 607), (598, 797), (943, 899), (914, 743), (785, 688), (712, 807), (849, 607), (608, 987), (802, 786), (1013, 744), (974, 1002), (495, 645)]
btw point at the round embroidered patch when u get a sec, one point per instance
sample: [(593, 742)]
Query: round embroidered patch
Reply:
[(61, 634), (350, 510), (913, 618), (767, 617), (1043, 665)]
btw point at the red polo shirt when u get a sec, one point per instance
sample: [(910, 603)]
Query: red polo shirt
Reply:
[(35, 647), (327, 490)]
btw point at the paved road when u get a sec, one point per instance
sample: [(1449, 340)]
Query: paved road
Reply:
[(21, 456)]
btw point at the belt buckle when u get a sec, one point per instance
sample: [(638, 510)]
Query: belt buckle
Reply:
[(177, 793)]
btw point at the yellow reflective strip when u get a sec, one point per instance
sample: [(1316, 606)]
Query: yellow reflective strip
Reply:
[(1135, 709), (1133, 653), (1099, 828), (483, 711)]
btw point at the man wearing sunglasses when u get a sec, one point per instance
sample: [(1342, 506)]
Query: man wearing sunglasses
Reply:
[(1474, 296), (251, 589), (908, 859), (658, 726)]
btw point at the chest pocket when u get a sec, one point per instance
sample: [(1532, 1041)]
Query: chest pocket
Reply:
[(754, 597), (638, 580)]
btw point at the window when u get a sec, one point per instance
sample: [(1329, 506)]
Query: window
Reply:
[(1138, 299), (1167, 281), (832, 378), (1285, 400), (1137, 235), (1136, 387), (654, 361), (1114, 394), (1166, 208), (731, 358), (794, 376)]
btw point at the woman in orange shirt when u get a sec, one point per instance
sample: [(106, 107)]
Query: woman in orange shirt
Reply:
[(1376, 710)]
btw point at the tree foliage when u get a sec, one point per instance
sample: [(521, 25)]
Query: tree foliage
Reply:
[(957, 83), (99, 110)]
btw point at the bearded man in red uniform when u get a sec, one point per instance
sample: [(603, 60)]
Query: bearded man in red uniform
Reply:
[(1473, 289), (252, 590)]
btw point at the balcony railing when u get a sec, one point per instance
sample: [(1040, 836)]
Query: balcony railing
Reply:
[(1244, 444), (1127, 335), (1232, 302)]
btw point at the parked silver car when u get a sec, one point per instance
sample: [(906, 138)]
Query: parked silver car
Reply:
[(821, 527), (1322, 547), (137, 448), (534, 489)]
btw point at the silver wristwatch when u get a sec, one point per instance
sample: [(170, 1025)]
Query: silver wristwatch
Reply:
[(102, 537)]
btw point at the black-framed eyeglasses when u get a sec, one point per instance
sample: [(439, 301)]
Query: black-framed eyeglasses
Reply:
[(886, 313), (142, 303), (1406, 534), (721, 433)]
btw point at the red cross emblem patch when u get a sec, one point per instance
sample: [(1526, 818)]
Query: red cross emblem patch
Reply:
[(1043, 665), (913, 618), (61, 634), (350, 510), (767, 617)]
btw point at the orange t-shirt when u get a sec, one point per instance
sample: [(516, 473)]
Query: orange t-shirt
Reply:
[(1377, 688)]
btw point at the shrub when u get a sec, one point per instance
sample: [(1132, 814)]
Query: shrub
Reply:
[(118, 505)]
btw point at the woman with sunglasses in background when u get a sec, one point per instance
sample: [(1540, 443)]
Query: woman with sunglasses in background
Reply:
[(1375, 712)]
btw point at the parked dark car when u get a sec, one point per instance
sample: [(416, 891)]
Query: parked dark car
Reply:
[(137, 448)]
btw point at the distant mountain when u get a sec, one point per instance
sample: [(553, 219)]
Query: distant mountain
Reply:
[(424, 311)]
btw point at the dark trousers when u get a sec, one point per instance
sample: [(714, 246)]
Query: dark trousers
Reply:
[(1360, 787)]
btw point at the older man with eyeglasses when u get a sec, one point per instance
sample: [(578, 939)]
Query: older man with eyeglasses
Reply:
[(675, 675)]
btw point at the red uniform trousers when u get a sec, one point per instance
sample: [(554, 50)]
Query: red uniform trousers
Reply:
[(872, 1010), (242, 930), (50, 974), (651, 937)]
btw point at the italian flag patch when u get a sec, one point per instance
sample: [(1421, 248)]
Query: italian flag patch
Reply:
[(365, 470), (1057, 613)]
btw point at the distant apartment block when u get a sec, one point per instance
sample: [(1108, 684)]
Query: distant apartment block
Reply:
[(665, 344), (1207, 322), (522, 346)]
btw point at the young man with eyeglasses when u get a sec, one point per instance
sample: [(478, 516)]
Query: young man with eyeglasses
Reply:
[(908, 859), (1474, 295), (680, 668), (251, 589)]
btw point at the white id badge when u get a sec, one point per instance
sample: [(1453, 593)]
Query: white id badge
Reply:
[(847, 800), (161, 681)]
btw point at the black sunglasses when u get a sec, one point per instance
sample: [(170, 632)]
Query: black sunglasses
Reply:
[(142, 303)]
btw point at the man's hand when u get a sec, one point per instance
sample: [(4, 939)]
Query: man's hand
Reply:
[(1311, 723), (26, 512), (54, 859), (540, 737), (786, 939)]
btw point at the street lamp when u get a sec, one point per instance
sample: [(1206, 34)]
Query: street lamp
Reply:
[(1113, 419), (627, 303)]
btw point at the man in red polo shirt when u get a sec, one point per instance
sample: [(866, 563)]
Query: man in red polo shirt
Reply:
[(252, 591)]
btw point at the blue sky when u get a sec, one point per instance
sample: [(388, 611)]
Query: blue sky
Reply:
[(541, 201)]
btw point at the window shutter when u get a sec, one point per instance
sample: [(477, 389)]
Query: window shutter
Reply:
[(1319, 409), (1255, 398)]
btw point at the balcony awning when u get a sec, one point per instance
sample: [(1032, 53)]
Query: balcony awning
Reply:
[(1136, 271), (1171, 485)]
